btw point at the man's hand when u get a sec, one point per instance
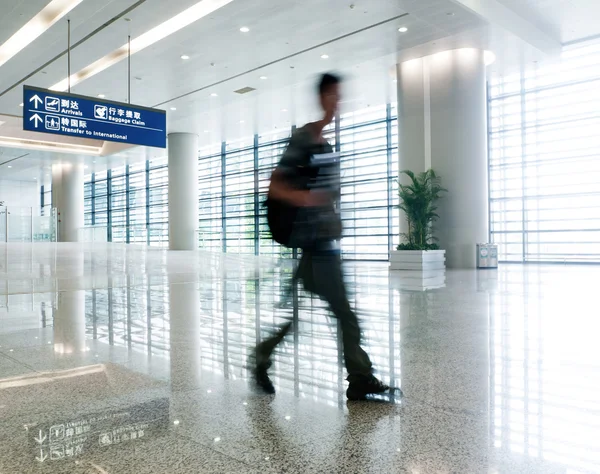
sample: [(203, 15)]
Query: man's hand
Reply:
[(279, 190), (316, 198)]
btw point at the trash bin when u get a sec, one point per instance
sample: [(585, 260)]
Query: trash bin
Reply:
[(487, 256)]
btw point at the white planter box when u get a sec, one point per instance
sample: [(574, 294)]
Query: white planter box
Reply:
[(423, 261)]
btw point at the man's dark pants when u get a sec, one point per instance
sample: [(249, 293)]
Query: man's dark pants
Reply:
[(321, 274)]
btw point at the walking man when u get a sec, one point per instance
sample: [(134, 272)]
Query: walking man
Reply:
[(320, 268)]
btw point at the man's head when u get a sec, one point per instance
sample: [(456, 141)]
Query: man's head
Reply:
[(329, 95)]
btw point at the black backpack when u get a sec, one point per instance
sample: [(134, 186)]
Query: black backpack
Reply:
[(280, 219), (291, 226)]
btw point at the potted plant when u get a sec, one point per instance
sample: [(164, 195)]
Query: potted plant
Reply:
[(418, 200)]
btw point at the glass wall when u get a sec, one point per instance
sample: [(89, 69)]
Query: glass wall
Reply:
[(545, 160), (132, 202)]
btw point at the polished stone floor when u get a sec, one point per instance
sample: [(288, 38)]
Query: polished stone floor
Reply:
[(117, 359)]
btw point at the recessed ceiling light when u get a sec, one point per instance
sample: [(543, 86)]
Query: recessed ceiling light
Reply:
[(284, 110), (241, 121), (185, 18), (214, 94), (263, 77), (173, 108), (94, 162), (35, 27), (10, 166), (244, 29), (185, 56), (206, 131), (101, 96), (403, 29), (324, 56)]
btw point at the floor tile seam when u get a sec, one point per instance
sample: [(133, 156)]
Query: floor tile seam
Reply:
[(211, 448), (19, 362)]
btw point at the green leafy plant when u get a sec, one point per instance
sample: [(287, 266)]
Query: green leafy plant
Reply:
[(418, 201)]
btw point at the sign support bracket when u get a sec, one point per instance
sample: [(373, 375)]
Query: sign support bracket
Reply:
[(69, 53), (129, 69)]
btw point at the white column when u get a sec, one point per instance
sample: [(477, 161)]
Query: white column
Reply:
[(183, 191), (67, 197), (442, 124)]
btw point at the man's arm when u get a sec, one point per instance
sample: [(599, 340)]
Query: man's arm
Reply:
[(281, 187), (280, 190)]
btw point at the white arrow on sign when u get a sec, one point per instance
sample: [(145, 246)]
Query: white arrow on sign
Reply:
[(36, 120), (41, 438), (42, 457), (36, 101)]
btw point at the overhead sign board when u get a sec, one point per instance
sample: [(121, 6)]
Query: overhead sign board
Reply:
[(73, 115)]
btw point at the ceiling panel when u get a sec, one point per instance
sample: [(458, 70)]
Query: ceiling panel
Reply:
[(570, 20), (14, 14), (85, 18), (221, 57)]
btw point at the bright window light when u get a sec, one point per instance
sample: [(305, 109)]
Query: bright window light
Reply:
[(35, 27), (489, 58), (160, 32)]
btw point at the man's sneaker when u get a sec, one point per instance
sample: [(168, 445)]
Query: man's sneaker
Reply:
[(360, 388), (261, 377)]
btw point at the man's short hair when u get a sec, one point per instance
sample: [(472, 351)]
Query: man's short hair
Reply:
[(328, 80)]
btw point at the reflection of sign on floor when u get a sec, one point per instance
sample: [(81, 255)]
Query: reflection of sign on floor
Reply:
[(41, 437), (105, 439), (68, 439), (57, 433), (57, 453), (42, 456)]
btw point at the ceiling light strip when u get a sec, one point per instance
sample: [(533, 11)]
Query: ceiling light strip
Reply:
[(285, 58), (160, 32), (35, 27), (79, 43), (49, 146)]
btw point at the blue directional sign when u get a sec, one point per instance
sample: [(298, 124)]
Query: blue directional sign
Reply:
[(86, 117)]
